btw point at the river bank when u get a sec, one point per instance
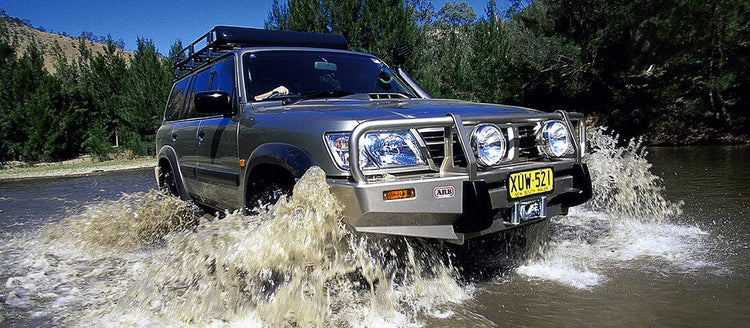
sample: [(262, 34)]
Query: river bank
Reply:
[(81, 166)]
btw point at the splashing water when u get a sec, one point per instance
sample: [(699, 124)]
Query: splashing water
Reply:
[(143, 260), (296, 264), (148, 260), (626, 222), (624, 186)]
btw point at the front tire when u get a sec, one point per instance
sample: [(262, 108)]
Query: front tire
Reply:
[(268, 186)]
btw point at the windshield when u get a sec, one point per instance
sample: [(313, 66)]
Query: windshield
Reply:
[(311, 74)]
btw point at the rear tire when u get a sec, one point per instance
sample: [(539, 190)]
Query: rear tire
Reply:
[(168, 183)]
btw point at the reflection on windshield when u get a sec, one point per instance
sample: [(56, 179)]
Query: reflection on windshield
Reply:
[(307, 74)]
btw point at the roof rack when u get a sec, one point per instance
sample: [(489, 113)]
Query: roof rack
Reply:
[(221, 39)]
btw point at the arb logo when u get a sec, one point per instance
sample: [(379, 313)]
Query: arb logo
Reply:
[(444, 192)]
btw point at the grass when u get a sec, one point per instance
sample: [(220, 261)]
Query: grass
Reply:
[(84, 164)]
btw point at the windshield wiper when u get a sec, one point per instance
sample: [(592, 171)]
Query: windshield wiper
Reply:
[(291, 99)]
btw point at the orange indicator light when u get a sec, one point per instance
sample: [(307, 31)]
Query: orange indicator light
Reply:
[(242, 163), (398, 194)]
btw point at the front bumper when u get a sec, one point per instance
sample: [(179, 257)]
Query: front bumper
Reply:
[(457, 201), (474, 207)]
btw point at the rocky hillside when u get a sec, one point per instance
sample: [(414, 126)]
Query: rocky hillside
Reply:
[(21, 34)]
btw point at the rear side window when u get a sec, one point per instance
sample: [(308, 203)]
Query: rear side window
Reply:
[(176, 99)]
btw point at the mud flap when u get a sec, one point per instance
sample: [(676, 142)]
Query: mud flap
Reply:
[(477, 214)]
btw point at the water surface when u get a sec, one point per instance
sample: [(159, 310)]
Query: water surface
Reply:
[(661, 245)]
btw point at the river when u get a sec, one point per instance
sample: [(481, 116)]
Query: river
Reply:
[(664, 243)]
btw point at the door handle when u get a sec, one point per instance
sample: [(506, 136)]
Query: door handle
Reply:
[(201, 135)]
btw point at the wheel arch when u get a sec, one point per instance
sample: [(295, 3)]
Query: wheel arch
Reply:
[(167, 161), (276, 158)]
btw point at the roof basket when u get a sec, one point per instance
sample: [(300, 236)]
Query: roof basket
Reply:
[(220, 39)]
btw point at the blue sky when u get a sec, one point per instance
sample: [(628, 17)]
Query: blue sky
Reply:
[(163, 21)]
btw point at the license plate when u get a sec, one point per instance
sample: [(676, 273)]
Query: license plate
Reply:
[(525, 183)]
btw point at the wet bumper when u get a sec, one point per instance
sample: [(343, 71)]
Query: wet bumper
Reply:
[(453, 207)]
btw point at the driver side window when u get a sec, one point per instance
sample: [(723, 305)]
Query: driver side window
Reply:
[(220, 76)]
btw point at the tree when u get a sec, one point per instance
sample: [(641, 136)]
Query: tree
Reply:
[(455, 14), (146, 87), (9, 130), (369, 26), (298, 15), (108, 73), (489, 63), (447, 71)]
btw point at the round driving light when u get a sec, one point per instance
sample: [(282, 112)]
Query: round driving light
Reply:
[(555, 139), (489, 144)]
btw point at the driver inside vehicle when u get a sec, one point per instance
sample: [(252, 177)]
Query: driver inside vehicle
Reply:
[(284, 75), (264, 81), (277, 91)]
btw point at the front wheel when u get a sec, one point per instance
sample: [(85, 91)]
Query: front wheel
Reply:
[(268, 189)]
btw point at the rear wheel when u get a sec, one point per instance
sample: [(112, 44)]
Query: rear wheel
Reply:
[(168, 183)]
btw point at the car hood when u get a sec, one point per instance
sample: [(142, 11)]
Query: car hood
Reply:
[(357, 110)]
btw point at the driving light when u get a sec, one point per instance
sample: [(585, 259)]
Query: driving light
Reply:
[(554, 139), (489, 144)]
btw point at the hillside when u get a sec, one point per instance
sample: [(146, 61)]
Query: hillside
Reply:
[(21, 35)]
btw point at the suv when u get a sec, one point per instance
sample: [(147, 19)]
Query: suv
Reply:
[(251, 110)]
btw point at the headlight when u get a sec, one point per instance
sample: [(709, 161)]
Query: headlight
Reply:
[(378, 150), (489, 144), (554, 139), (392, 149)]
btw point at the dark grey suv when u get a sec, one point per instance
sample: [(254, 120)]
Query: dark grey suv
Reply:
[(252, 110)]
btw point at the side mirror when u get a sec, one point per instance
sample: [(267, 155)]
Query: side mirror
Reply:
[(213, 102), (400, 52)]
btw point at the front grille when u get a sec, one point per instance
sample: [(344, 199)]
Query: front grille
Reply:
[(525, 144), (527, 149), (433, 138)]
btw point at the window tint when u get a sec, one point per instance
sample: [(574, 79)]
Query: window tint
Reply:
[(176, 99), (310, 72), (219, 77), (223, 78), (201, 82)]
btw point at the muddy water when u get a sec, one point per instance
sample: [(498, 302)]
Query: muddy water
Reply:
[(648, 251)]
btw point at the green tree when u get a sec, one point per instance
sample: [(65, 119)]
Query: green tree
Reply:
[(299, 15), (106, 82), (147, 86), (454, 14), (492, 74), (656, 68), (447, 69), (8, 103), (369, 26), (30, 113)]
